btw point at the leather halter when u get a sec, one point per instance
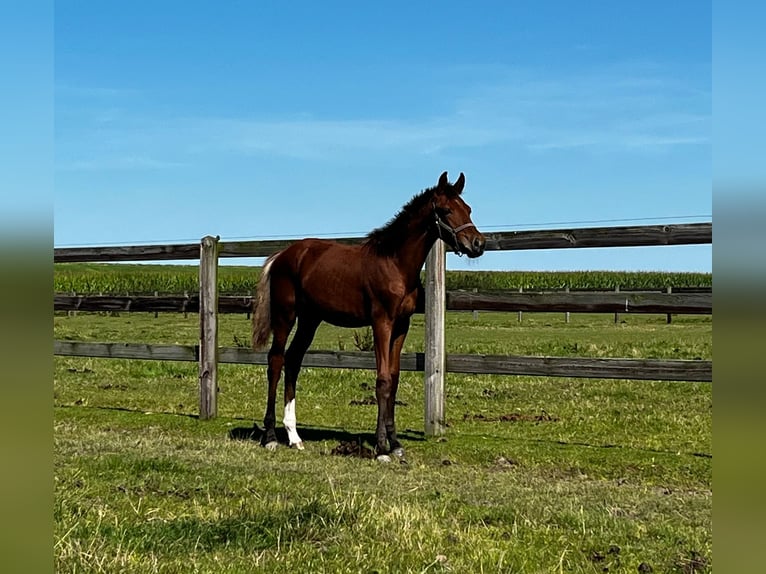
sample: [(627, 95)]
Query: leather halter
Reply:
[(453, 231)]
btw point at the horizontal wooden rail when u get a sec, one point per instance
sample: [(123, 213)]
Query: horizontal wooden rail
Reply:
[(696, 289), (624, 302), (132, 303), (144, 351), (576, 367), (177, 251), (634, 236), (584, 302), (127, 253)]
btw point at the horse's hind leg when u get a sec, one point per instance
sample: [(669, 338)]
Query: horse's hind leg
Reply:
[(307, 326), (281, 328)]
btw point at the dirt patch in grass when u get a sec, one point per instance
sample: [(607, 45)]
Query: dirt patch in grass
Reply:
[(606, 560), (543, 417), (503, 463), (362, 402), (693, 563), (372, 401), (352, 448)]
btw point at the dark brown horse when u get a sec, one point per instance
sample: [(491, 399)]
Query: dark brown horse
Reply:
[(374, 283)]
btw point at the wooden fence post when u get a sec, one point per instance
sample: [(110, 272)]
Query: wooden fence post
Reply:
[(616, 315), (521, 290), (566, 313), (435, 360), (208, 327)]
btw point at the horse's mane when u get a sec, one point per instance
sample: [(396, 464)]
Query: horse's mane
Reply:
[(385, 240)]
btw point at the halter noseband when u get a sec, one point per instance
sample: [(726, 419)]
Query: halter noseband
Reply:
[(453, 231)]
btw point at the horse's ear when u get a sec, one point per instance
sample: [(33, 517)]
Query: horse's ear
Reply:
[(459, 184), (443, 181)]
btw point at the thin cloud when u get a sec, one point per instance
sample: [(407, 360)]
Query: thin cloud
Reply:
[(629, 108), (128, 163), (101, 92), (614, 111), (321, 139), (617, 141), (621, 109)]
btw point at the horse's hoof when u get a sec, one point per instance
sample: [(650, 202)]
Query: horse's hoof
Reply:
[(399, 453), (297, 446), (383, 458), (271, 445)]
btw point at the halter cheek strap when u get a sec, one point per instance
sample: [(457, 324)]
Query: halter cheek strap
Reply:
[(453, 231), (460, 228)]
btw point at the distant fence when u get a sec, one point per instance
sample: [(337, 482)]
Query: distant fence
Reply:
[(434, 362), (697, 302)]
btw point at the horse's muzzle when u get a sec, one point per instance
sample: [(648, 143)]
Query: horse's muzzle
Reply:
[(472, 246)]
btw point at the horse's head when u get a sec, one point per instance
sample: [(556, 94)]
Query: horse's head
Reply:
[(452, 218)]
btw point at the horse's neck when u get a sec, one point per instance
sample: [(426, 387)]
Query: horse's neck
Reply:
[(412, 254)]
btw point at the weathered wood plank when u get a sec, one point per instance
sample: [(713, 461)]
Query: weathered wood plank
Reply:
[(643, 235), (208, 316), (583, 367), (127, 253), (576, 302), (633, 236), (576, 367), (178, 251), (147, 303), (140, 351), (435, 424), (132, 303), (623, 302)]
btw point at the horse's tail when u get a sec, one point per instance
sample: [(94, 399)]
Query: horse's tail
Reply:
[(262, 307)]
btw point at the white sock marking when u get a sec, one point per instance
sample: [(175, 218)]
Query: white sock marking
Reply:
[(290, 422)]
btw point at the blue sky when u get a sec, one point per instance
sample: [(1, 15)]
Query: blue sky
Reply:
[(175, 120)]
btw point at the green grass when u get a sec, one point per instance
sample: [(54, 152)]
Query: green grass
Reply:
[(586, 476)]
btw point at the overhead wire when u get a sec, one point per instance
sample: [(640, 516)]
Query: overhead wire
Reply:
[(357, 233)]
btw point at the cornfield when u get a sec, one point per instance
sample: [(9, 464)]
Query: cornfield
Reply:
[(554, 280), (119, 279)]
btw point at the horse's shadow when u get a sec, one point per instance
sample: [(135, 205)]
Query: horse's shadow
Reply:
[(318, 434)]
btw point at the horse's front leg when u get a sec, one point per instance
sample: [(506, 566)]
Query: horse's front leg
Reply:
[(397, 342), (381, 331)]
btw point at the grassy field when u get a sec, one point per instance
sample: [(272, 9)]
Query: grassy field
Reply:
[(534, 474)]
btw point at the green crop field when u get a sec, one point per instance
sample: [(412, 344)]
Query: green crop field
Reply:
[(94, 278), (534, 474)]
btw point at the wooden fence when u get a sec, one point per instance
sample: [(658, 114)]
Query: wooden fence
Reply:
[(434, 363), (675, 302), (631, 236)]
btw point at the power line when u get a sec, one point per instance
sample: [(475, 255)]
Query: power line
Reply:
[(363, 233), (504, 226), (591, 221)]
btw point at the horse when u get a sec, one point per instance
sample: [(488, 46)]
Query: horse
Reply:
[(374, 283)]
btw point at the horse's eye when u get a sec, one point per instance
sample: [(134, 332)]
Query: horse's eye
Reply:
[(445, 210)]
